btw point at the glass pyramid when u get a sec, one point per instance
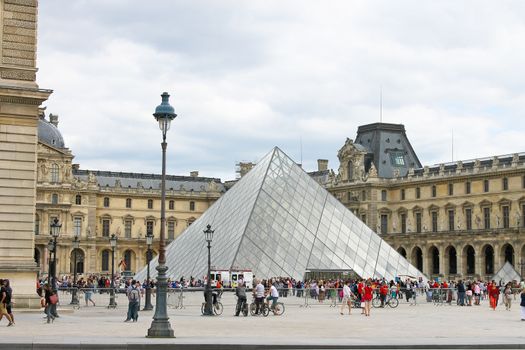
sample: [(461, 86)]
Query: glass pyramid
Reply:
[(507, 274), (278, 221)]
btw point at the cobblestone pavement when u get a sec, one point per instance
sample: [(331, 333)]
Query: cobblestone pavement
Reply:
[(320, 324)]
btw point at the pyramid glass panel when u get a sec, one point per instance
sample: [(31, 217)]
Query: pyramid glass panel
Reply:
[(506, 274), (278, 221)]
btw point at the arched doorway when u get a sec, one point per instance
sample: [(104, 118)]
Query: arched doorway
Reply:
[(488, 259), (507, 252), (469, 260), (79, 259), (106, 256), (37, 256), (417, 258), (452, 257), (434, 263), (129, 260), (402, 252)]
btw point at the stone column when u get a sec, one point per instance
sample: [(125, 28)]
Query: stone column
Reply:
[(20, 98), (442, 269)]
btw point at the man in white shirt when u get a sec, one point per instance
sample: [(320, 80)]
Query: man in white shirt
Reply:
[(258, 292), (274, 295)]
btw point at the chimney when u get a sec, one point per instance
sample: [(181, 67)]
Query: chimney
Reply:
[(53, 119), (75, 166), (194, 174), (322, 164)]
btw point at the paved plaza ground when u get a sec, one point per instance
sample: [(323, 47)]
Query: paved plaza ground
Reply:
[(424, 325)]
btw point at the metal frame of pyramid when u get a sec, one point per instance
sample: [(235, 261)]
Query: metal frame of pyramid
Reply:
[(278, 221), (507, 273)]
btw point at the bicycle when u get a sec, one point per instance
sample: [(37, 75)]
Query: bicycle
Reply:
[(390, 301), (216, 306), (243, 307), (263, 309), (278, 310)]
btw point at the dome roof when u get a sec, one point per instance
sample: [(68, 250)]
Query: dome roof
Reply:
[(49, 134)]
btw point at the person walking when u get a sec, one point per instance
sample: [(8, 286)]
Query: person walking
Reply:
[(3, 304), (522, 304), (88, 292), (347, 298), (240, 292), (9, 302), (493, 294), (461, 293), (367, 297), (133, 302), (507, 296), (50, 300)]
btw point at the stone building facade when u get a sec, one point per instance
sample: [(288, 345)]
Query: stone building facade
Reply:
[(96, 204), (20, 98), (461, 219)]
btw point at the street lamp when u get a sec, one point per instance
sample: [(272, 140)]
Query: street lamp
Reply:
[(147, 305), (55, 232), (160, 327), (113, 243), (208, 236), (74, 295)]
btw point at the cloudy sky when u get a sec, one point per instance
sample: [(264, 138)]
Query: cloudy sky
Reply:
[(245, 76)]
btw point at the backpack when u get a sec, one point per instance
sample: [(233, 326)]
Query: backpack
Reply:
[(132, 296)]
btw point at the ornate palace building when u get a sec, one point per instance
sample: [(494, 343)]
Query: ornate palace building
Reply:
[(461, 219), (96, 204)]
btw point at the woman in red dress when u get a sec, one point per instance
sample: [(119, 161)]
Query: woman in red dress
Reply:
[(367, 297), (493, 291)]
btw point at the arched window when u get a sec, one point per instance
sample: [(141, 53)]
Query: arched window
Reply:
[(417, 258), (452, 260), (78, 199), (37, 257), (508, 252), (435, 260), (79, 259), (105, 260), (489, 260), (54, 173), (128, 255), (402, 251), (470, 260), (54, 198)]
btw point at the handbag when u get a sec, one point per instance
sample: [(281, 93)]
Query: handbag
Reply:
[(53, 299)]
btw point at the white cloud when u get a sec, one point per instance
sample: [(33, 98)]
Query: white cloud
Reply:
[(246, 76)]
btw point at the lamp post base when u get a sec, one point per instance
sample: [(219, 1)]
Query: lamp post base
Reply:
[(147, 305), (160, 329)]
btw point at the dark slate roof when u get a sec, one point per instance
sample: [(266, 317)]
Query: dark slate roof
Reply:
[(49, 134), (150, 181), (485, 162), (321, 176), (383, 141)]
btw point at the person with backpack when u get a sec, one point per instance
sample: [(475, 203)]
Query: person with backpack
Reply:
[(134, 301)]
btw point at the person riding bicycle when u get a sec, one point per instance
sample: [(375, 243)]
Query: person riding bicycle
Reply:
[(383, 292), (274, 295), (240, 292)]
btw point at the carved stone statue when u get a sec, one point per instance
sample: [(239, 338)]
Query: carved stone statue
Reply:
[(373, 171), (92, 178)]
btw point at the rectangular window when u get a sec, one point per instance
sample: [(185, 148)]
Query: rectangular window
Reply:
[(506, 216), (418, 222), (171, 229), (451, 220), (505, 184), (363, 195), (403, 223), (402, 194), (383, 195), (450, 189), (150, 203), (468, 218), (486, 218), (127, 228), (128, 203), (78, 199), (192, 206), (467, 187), (363, 218), (105, 228), (434, 221), (37, 225), (77, 226), (384, 223), (149, 227), (106, 202), (434, 191), (485, 185), (418, 192), (522, 216), (171, 205), (54, 198)]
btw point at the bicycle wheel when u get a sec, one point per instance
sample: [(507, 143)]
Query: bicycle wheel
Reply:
[(393, 303), (265, 310), (203, 307), (376, 302), (217, 308), (245, 309), (253, 308), (279, 309)]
